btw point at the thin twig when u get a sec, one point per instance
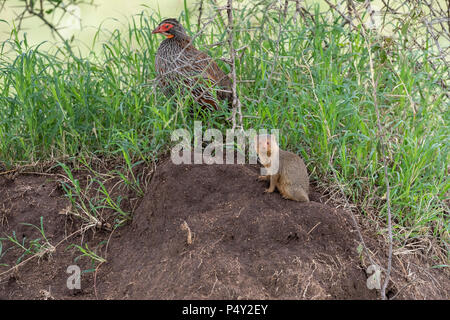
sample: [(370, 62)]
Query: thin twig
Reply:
[(236, 102), (383, 155)]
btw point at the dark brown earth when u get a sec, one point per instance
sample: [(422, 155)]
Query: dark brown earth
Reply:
[(246, 244)]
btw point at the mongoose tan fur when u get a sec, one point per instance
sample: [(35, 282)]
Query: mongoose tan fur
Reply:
[(291, 178)]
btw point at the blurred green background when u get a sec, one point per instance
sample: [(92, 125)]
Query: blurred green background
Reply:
[(114, 14)]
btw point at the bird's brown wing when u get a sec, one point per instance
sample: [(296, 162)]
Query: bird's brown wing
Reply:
[(211, 71)]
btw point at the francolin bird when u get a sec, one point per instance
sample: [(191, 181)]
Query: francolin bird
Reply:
[(181, 66)]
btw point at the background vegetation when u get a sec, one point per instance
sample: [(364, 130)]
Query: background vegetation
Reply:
[(300, 70)]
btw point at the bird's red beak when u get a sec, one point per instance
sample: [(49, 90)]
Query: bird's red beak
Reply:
[(157, 30)]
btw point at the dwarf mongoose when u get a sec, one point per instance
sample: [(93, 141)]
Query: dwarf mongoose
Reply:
[(290, 176)]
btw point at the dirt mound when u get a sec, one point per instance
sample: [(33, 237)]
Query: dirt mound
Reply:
[(23, 201), (246, 244)]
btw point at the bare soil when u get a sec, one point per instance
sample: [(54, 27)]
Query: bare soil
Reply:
[(246, 244)]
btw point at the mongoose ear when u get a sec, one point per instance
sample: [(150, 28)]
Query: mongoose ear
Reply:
[(268, 145)]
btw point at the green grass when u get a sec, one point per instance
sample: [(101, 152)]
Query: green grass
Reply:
[(313, 84), (34, 247)]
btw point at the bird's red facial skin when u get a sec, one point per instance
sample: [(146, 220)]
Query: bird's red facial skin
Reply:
[(163, 29), (166, 27)]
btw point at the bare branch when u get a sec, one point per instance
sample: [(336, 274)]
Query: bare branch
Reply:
[(347, 19), (44, 10), (236, 102), (383, 155)]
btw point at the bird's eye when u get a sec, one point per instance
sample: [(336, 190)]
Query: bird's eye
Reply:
[(166, 26)]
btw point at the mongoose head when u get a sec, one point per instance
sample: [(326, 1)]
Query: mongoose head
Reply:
[(266, 145), (171, 28)]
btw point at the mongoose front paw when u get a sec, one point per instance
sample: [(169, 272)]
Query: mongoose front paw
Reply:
[(268, 191)]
